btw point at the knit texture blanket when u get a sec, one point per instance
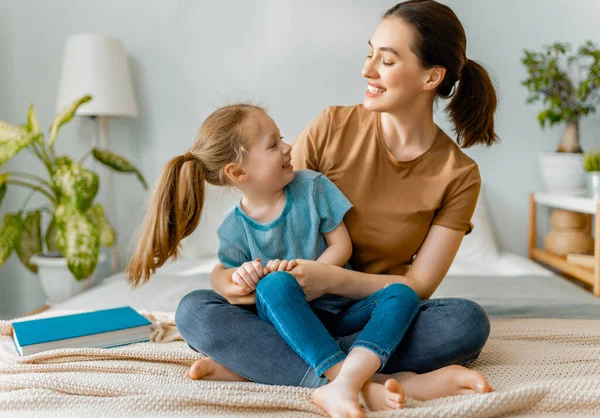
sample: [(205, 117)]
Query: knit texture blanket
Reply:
[(539, 367)]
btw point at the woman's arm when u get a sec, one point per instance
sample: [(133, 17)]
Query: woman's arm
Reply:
[(424, 276), (221, 282), (339, 247)]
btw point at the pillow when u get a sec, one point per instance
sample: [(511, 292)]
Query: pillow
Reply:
[(204, 242), (480, 244)]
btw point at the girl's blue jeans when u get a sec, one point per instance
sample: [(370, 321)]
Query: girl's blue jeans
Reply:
[(381, 320)]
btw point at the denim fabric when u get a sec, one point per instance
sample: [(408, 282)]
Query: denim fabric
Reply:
[(444, 332), (383, 319)]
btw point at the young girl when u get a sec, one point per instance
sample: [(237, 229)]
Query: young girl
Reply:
[(283, 215)]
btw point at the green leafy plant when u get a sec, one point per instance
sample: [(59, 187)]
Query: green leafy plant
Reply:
[(78, 227), (591, 160), (567, 83)]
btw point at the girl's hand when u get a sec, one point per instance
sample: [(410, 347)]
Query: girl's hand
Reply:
[(248, 275), (280, 265), (312, 276)]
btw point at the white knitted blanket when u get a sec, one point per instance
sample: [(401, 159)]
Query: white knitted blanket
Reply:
[(539, 367)]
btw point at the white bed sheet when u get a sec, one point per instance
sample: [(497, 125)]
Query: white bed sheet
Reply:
[(161, 293), (505, 264), (174, 280)]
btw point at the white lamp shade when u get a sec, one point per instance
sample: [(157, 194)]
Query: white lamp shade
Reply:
[(96, 65)]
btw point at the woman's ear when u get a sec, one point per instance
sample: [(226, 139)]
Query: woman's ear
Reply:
[(235, 173), (433, 78)]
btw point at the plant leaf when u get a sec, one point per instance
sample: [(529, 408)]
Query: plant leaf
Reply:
[(32, 121), (30, 240), (3, 188), (96, 215), (52, 236), (10, 132), (64, 116), (10, 229), (117, 163), (76, 185), (2, 192), (78, 240), (13, 139)]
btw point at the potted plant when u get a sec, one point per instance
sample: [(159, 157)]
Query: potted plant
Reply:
[(592, 166), (77, 227), (568, 84)]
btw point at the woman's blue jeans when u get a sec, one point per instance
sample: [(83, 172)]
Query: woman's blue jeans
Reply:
[(444, 332), (381, 320)]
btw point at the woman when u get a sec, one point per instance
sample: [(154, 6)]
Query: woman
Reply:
[(413, 192)]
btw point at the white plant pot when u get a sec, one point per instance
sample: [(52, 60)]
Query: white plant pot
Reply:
[(593, 185), (563, 173), (58, 282)]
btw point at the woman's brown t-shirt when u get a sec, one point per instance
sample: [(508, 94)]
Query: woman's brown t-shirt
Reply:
[(395, 202)]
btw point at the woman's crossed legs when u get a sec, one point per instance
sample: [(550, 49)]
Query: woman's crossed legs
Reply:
[(444, 334)]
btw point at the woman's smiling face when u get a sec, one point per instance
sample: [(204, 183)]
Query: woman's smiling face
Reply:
[(393, 72)]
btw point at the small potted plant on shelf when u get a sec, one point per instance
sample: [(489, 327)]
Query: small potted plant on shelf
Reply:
[(592, 166), (77, 227), (568, 84)]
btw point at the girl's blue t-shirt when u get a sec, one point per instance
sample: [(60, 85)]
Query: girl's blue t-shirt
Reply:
[(313, 206)]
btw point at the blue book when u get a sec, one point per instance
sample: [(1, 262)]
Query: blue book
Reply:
[(98, 329)]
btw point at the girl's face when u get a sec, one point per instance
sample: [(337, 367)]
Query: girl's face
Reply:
[(394, 76), (267, 163)]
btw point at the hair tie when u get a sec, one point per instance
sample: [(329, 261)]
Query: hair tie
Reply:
[(188, 156)]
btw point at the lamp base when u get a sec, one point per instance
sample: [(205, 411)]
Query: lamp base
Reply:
[(102, 122)]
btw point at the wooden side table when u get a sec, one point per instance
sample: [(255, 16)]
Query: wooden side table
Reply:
[(575, 204)]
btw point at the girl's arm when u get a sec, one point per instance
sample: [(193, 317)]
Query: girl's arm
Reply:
[(424, 276), (339, 246)]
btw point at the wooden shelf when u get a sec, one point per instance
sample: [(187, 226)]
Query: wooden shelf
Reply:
[(575, 204), (560, 263)]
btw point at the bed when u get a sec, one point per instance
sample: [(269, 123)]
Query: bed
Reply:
[(542, 357)]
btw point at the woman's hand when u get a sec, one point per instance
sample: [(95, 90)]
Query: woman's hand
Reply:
[(313, 277)]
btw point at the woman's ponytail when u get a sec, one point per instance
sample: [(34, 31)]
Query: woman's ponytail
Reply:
[(472, 107)]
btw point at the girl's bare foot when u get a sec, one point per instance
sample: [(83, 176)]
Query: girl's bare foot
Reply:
[(338, 400), (207, 369), (378, 397), (447, 381)]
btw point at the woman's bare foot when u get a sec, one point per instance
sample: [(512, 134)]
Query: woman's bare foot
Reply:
[(338, 400), (447, 381), (207, 369), (378, 397)]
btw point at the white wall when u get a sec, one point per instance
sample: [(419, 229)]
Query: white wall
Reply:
[(188, 57)]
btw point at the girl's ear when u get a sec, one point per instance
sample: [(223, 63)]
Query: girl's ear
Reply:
[(236, 173)]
